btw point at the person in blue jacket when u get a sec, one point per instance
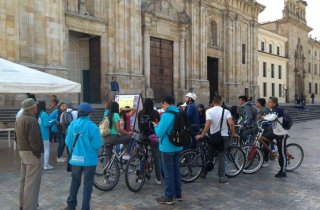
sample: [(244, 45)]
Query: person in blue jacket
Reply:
[(169, 154), (193, 116), (83, 142), (43, 120)]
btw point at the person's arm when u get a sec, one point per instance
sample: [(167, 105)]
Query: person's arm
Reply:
[(205, 130), (45, 120), (270, 117), (162, 128), (121, 131), (118, 87), (96, 137), (35, 138), (231, 126)]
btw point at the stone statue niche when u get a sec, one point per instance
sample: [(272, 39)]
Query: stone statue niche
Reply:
[(83, 7), (212, 33), (299, 69)]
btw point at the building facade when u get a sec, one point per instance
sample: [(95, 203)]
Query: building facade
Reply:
[(156, 47), (272, 76)]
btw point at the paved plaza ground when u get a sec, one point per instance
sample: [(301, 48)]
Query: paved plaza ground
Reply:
[(300, 190)]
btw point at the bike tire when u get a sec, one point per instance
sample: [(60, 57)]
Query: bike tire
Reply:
[(135, 173), (107, 174), (295, 156), (234, 162), (191, 165), (252, 164)]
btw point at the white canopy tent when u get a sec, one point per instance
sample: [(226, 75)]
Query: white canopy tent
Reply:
[(15, 78)]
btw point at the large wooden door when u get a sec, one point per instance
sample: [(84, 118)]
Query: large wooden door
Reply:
[(161, 67)]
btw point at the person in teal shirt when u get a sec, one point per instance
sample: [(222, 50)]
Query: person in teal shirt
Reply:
[(117, 134), (83, 142), (169, 153), (43, 120)]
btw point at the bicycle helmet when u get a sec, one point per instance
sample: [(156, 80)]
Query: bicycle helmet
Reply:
[(191, 95)]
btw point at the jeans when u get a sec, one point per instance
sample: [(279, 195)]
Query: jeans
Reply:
[(170, 165), (114, 139), (88, 173), (61, 144)]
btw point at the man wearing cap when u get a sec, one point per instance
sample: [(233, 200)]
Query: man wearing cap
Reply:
[(30, 146), (83, 142), (193, 115)]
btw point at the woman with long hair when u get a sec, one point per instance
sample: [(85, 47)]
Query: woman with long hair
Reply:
[(43, 120), (117, 134), (146, 117)]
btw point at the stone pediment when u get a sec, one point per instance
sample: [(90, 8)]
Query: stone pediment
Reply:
[(164, 9)]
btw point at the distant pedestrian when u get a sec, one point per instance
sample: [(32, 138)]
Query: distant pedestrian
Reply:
[(114, 86), (312, 98), (193, 116), (83, 142), (30, 146), (169, 154)]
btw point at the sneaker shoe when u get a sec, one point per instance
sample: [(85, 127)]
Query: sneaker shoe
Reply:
[(61, 160), (158, 181), (223, 179), (179, 198), (164, 200), (280, 174), (126, 157), (265, 164), (48, 167)]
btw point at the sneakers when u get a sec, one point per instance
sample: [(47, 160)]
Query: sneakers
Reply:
[(48, 167), (158, 181), (265, 164), (223, 179), (164, 200), (280, 174), (126, 157), (61, 160), (179, 198)]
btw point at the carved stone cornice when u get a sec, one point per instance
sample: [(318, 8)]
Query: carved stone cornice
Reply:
[(164, 9)]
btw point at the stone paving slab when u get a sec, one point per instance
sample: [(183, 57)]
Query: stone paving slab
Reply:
[(300, 190)]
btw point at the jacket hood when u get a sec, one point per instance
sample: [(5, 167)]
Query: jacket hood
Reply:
[(172, 108)]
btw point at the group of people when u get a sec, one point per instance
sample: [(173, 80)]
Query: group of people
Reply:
[(83, 140)]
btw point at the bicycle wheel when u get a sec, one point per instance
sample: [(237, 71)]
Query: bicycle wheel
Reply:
[(134, 173), (107, 174), (295, 156), (191, 165), (254, 159), (234, 161)]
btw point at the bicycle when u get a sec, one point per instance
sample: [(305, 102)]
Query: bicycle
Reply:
[(109, 168), (194, 161), (139, 166)]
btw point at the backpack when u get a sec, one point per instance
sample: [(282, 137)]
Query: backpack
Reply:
[(181, 134), (104, 126), (146, 127), (67, 119), (287, 120)]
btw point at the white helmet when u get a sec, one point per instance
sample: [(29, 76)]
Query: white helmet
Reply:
[(191, 95)]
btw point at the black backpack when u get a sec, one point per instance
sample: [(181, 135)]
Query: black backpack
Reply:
[(181, 134), (146, 127), (67, 118), (287, 121)]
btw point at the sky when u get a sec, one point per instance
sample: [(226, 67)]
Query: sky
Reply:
[(273, 11)]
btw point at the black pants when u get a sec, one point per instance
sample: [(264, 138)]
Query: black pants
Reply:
[(282, 144)]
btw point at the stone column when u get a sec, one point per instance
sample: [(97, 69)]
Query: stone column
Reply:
[(182, 76), (146, 57)]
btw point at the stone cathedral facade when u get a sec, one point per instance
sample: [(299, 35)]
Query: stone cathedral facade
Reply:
[(156, 47)]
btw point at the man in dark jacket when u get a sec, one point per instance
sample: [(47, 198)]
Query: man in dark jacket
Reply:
[(30, 146)]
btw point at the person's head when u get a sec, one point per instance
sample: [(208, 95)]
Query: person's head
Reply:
[(114, 107), (52, 97), (243, 99), (201, 108), (148, 106), (190, 97), (107, 104), (260, 103), (217, 100), (167, 101), (113, 78), (29, 105), (55, 102), (84, 109), (62, 106), (272, 102), (234, 110), (41, 106)]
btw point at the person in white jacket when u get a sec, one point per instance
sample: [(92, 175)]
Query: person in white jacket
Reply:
[(277, 132)]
